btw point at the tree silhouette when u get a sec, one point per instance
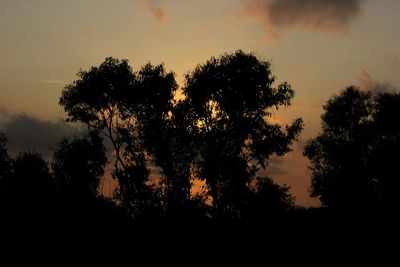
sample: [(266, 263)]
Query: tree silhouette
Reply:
[(78, 165), (26, 186), (123, 105), (218, 132), (269, 199), (30, 187), (338, 155), (97, 100), (385, 148), (172, 144), (231, 98), (5, 165), (353, 159)]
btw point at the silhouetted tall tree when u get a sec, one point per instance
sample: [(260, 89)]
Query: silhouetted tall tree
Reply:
[(231, 98), (164, 137), (353, 159), (123, 106), (78, 165)]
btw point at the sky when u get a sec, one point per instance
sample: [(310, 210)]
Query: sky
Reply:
[(318, 46)]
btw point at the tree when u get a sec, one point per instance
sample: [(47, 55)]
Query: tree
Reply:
[(385, 149), (31, 181), (123, 106), (219, 132), (269, 198), (97, 99), (172, 144), (5, 164), (78, 165), (338, 154), (353, 159), (231, 98)]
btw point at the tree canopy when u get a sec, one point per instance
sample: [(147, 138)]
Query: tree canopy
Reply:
[(200, 152), (78, 165), (353, 158), (219, 132), (120, 104), (231, 99), (30, 182)]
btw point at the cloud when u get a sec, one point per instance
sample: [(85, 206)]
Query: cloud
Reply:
[(317, 15), (49, 81), (367, 83), (157, 12), (27, 133)]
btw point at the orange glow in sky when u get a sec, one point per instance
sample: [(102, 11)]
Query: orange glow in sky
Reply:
[(319, 49)]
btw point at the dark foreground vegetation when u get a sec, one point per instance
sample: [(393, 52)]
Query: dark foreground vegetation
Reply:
[(216, 130)]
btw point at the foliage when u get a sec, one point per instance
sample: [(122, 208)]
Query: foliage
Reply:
[(231, 98), (218, 132), (269, 198), (5, 164), (78, 165), (123, 105), (353, 158), (30, 180)]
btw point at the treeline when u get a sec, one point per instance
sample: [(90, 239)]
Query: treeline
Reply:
[(32, 189), (218, 132), (216, 129)]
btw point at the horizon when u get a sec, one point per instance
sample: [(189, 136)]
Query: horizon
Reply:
[(319, 49)]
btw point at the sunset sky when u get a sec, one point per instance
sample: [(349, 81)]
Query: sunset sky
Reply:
[(318, 46)]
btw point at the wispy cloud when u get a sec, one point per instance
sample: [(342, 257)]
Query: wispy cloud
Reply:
[(49, 81), (156, 11), (366, 82), (316, 15)]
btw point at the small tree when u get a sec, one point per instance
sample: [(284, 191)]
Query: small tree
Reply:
[(31, 181), (5, 165), (269, 198), (78, 165)]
